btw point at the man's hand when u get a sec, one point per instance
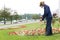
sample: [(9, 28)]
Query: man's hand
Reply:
[(41, 18)]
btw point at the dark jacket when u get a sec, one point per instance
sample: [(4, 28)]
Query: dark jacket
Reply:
[(47, 12)]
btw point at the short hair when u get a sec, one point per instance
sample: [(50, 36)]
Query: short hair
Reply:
[(41, 3)]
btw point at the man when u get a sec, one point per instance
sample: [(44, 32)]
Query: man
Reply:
[(48, 16)]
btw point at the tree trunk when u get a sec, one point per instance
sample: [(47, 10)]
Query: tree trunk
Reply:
[(11, 19), (4, 21)]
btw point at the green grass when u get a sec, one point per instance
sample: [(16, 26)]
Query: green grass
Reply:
[(5, 36), (33, 26)]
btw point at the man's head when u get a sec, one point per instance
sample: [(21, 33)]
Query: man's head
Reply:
[(42, 4)]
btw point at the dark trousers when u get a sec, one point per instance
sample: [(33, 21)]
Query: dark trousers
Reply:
[(48, 26)]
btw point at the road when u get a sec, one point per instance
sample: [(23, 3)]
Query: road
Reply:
[(15, 25)]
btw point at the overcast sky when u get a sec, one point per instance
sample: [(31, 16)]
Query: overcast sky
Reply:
[(28, 6)]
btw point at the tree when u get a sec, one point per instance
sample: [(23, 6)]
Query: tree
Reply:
[(36, 16), (16, 16), (20, 17), (5, 14)]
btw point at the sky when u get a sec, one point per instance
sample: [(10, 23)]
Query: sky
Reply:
[(28, 6)]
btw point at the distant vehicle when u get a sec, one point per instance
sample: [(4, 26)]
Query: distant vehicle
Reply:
[(14, 21), (1, 21), (20, 21), (23, 20)]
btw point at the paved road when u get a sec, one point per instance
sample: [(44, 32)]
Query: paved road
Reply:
[(14, 25)]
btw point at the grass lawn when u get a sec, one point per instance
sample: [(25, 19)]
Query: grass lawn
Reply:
[(5, 36)]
